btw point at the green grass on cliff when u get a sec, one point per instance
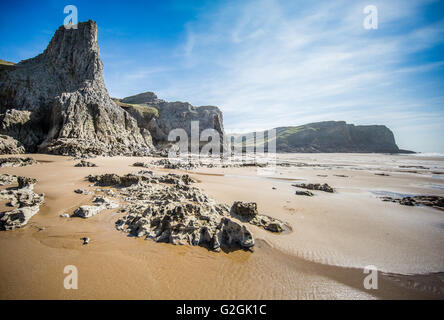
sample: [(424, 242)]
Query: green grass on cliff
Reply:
[(144, 111), (6, 65)]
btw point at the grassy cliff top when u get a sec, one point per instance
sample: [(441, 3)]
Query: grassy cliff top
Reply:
[(142, 110)]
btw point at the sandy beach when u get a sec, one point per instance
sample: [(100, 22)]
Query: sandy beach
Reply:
[(333, 237)]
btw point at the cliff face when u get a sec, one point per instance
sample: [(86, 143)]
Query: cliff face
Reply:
[(173, 115), (333, 136), (57, 102)]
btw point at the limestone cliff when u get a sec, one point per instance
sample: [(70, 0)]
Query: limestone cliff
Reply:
[(57, 102), (331, 136), (172, 115)]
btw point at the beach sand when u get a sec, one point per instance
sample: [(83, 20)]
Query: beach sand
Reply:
[(333, 237)]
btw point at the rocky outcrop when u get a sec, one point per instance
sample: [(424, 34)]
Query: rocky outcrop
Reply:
[(304, 193), (168, 208), (173, 115), (57, 102), (315, 186), (9, 145), (84, 163), (99, 204), (436, 202), (23, 198), (16, 162), (247, 212), (331, 136)]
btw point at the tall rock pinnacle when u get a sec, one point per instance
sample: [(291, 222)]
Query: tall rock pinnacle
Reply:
[(57, 102)]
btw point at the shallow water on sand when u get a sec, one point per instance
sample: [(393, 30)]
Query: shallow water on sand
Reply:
[(334, 236)]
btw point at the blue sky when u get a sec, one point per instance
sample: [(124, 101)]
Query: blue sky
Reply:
[(265, 63)]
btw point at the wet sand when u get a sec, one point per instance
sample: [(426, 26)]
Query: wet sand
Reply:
[(334, 236)]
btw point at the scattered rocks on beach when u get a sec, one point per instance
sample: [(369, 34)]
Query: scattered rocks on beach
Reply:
[(316, 186), (16, 162), (304, 193), (141, 164), (7, 179), (23, 198), (83, 191), (99, 204), (436, 202), (168, 208), (84, 163)]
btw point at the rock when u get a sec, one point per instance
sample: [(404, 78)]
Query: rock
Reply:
[(111, 179), (141, 164), (436, 202), (26, 201), (274, 227), (83, 191), (7, 179), (167, 208), (84, 163), (99, 204), (317, 186), (382, 174), (233, 232), (85, 240), (57, 102), (16, 162), (25, 182), (245, 209), (64, 215), (304, 193), (9, 145), (247, 212)]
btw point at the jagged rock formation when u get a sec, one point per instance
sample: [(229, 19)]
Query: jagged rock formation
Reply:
[(23, 197), (315, 186), (304, 193), (247, 212), (16, 162), (9, 145), (57, 102), (436, 202), (99, 204), (329, 136), (84, 163), (168, 208), (172, 115)]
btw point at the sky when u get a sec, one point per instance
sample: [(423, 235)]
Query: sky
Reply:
[(265, 63)]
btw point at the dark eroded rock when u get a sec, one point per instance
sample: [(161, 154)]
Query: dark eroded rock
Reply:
[(315, 186), (16, 162), (84, 163)]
